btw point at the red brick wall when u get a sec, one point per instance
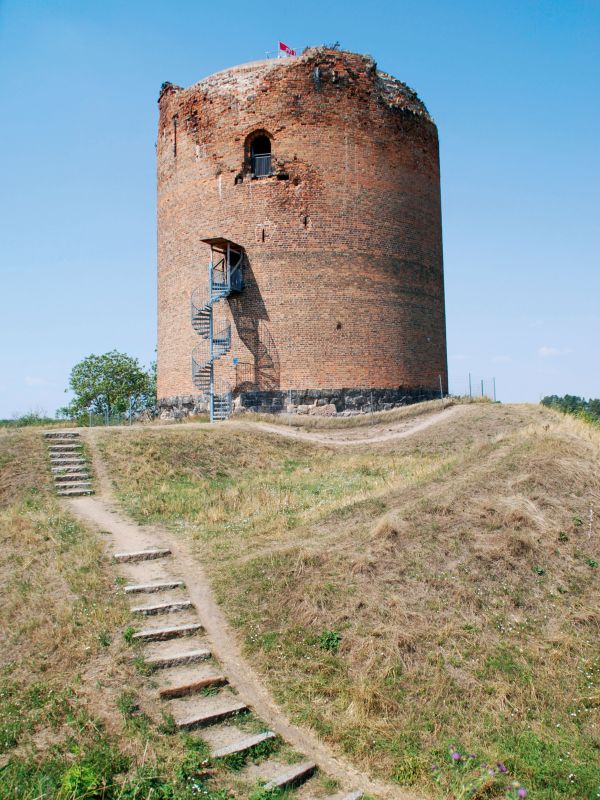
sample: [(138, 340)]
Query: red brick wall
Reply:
[(346, 289)]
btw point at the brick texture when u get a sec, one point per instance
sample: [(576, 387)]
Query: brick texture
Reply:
[(344, 275)]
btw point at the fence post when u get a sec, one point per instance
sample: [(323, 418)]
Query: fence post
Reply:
[(494, 382), (441, 390), (482, 387), (470, 390), (90, 416)]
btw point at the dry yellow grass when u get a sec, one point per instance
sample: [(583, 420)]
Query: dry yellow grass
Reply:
[(64, 664), (458, 570), (315, 422)]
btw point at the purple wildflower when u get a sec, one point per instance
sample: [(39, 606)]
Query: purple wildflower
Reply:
[(455, 756), (501, 767), (521, 792)]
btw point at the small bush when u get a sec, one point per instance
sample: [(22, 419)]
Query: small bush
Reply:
[(330, 640), (128, 634), (82, 780), (127, 704)]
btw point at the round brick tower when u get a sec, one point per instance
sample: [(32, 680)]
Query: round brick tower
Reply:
[(323, 175)]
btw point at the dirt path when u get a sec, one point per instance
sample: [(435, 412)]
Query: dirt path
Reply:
[(378, 433), (383, 432), (101, 511)]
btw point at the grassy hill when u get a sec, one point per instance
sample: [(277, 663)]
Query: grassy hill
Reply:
[(77, 719), (435, 593), (427, 594)]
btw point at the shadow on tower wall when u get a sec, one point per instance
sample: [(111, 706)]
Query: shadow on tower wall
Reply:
[(249, 317)]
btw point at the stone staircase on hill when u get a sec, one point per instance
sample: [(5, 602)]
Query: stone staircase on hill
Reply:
[(196, 694), (69, 464)]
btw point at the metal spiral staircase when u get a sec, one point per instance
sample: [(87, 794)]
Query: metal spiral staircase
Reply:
[(225, 276)]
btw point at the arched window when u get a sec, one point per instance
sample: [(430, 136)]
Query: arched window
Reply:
[(260, 155)]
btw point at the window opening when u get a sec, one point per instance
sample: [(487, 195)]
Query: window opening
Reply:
[(260, 153)]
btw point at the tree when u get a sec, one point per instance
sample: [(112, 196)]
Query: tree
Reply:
[(113, 380), (572, 404)]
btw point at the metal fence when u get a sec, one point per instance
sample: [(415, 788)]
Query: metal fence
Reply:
[(472, 385), (107, 417)]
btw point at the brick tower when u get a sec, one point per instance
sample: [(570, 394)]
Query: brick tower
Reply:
[(312, 185)]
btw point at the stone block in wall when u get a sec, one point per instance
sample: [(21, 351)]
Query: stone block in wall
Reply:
[(328, 410)]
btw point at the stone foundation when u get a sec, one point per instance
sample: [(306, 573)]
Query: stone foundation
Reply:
[(322, 402), (187, 405)]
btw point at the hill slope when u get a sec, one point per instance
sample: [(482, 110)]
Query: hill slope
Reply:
[(77, 719), (434, 592)]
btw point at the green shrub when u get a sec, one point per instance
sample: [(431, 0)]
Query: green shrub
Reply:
[(330, 640), (82, 780)]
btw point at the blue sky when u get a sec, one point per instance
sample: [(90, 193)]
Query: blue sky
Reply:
[(512, 85)]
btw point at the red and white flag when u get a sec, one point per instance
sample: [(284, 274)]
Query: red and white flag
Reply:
[(285, 50)]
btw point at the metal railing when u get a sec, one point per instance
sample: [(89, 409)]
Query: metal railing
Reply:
[(262, 165), (224, 277), (221, 401), (219, 279)]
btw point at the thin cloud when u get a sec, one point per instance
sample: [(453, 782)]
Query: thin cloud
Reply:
[(502, 359), (33, 381), (552, 352)]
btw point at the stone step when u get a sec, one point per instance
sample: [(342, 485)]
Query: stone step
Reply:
[(73, 484), (170, 692), (64, 449), (154, 571), (242, 745), (179, 658), (163, 608), (57, 459), (61, 435), (161, 634), (182, 674), (63, 440), (73, 492), (142, 555), (71, 469), (293, 776), (356, 795), (72, 477), (220, 708), (162, 586)]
